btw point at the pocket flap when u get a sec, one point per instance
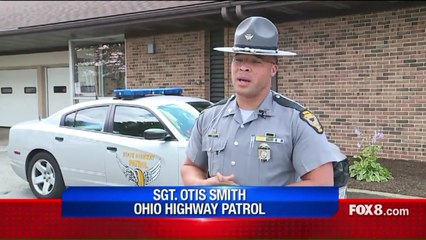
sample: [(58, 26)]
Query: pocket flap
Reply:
[(214, 145)]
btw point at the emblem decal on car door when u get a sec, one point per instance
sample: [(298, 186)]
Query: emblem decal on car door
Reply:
[(139, 176)]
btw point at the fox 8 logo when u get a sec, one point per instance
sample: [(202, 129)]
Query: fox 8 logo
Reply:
[(365, 209)]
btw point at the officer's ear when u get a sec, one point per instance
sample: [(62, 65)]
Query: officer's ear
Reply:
[(274, 69)]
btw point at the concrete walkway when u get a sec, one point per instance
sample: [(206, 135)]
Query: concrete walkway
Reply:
[(360, 193)]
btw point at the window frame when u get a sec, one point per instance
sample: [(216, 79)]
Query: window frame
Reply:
[(110, 126), (75, 111), (99, 81)]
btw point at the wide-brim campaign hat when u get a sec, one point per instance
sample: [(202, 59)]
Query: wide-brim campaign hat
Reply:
[(256, 36)]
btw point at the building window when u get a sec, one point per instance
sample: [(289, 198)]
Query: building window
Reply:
[(60, 89), (99, 67), (30, 90), (6, 90)]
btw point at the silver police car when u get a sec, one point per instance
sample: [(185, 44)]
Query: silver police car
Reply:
[(137, 138)]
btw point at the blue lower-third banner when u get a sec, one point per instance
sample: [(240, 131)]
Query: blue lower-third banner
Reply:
[(200, 202)]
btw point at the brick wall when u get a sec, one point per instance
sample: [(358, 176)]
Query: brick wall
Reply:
[(178, 61), (366, 71)]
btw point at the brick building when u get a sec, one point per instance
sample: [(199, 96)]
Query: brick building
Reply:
[(359, 64)]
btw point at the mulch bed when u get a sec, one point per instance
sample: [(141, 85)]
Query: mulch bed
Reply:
[(409, 178)]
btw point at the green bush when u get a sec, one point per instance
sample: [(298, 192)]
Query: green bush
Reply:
[(367, 168)]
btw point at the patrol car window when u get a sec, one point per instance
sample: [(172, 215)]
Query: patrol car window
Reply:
[(92, 119), (182, 116), (69, 120), (134, 121)]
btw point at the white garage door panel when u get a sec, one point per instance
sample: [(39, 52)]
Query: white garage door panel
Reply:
[(58, 78), (18, 106)]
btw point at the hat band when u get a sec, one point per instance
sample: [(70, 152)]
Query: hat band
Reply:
[(253, 50), (256, 47)]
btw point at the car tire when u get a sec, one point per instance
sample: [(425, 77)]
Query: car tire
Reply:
[(45, 177)]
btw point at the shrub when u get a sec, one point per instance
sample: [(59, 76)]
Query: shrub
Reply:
[(367, 168)]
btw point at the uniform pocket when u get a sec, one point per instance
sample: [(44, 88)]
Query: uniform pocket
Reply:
[(215, 152)]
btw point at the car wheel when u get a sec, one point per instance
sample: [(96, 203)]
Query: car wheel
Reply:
[(45, 177)]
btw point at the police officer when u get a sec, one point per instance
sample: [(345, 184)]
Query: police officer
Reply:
[(257, 136)]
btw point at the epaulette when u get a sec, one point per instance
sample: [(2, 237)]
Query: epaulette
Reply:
[(304, 114), (221, 102), (283, 101)]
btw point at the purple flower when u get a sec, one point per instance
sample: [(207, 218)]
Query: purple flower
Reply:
[(378, 134), (358, 132)]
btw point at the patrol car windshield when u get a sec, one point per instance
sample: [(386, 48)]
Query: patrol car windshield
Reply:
[(181, 115)]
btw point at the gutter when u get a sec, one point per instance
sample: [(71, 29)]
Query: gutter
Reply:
[(138, 17), (221, 8), (239, 8)]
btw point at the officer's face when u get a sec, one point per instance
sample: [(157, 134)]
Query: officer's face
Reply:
[(251, 75)]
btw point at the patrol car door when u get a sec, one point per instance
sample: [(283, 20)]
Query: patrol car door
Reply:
[(134, 160), (79, 146)]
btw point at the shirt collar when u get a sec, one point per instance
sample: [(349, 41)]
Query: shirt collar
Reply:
[(265, 106)]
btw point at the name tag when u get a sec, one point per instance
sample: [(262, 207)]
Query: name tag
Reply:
[(213, 135), (269, 139)]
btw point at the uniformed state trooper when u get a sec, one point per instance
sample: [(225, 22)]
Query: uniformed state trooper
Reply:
[(257, 136)]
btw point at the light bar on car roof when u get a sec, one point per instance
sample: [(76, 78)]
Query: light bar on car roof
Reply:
[(143, 92)]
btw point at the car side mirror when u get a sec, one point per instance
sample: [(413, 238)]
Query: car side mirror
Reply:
[(155, 134)]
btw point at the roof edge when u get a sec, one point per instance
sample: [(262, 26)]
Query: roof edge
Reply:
[(157, 15)]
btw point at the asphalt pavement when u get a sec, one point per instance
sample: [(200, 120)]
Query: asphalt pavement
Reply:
[(352, 193)]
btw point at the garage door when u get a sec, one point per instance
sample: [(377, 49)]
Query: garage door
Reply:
[(58, 91), (18, 96)]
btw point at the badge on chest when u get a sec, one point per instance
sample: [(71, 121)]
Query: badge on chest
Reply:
[(264, 152)]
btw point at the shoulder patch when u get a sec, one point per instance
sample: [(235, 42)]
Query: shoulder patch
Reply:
[(283, 101), (304, 114), (313, 121), (221, 102)]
